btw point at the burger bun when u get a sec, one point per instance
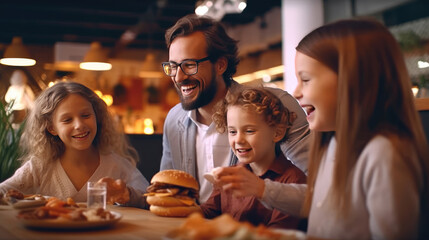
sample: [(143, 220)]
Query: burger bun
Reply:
[(176, 177), (180, 211)]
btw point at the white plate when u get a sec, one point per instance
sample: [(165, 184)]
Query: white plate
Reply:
[(28, 203), (68, 224), (25, 203)]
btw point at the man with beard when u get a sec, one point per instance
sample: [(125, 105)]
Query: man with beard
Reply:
[(207, 58)]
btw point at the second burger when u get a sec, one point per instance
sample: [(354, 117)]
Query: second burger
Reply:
[(173, 193)]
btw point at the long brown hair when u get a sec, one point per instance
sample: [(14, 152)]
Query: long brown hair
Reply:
[(374, 98)]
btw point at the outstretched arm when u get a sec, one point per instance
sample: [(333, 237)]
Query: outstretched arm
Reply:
[(285, 197)]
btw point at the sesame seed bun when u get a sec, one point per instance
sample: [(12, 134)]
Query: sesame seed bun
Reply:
[(176, 177)]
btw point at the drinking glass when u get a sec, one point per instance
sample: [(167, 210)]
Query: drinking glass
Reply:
[(96, 197)]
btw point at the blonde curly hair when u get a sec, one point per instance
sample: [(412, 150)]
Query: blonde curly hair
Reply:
[(37, 141), (259, 100)]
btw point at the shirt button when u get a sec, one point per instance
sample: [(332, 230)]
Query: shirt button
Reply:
[(319, 204)]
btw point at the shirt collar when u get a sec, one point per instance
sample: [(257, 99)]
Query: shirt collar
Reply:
[(278, 167)]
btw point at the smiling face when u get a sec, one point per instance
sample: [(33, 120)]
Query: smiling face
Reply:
[(250, 137), (316, 92), (197, 90), (74, 122)]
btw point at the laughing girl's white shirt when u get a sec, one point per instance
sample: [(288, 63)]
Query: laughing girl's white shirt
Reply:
[(51, 180), (385, 196)]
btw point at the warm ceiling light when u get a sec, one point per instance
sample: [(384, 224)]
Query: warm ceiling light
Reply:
[(422, 64), (415, 90), (201, 10), (108, 99), (216, 9), (242, 5), (17, 55), (148, 126), (96, 59), (261, 74)]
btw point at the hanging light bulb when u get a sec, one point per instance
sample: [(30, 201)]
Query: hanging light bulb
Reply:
[(148, 126), (108, 99), (217, 9), (17, 55), (95, 59)]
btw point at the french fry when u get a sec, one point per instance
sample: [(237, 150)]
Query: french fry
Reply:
[(30, 197), (70, 202), (55, 203), (61, 209), (54, 211)]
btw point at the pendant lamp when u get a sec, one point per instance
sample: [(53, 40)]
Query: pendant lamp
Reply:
[(95, 59), (16, 54), (151, 68)]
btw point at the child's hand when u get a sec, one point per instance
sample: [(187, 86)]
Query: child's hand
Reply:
[(239, 181), (117, 191)]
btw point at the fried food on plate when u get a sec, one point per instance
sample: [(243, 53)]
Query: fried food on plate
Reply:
[(65, 210), (224, 227)]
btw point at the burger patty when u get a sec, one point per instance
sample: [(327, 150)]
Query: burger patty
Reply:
[(173, 189)]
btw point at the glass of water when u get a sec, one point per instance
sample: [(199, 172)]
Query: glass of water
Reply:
[(96, 197)]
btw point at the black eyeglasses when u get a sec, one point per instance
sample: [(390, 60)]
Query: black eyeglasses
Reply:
[(189, 66)]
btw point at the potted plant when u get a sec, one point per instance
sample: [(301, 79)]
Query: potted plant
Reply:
[(9, 143)]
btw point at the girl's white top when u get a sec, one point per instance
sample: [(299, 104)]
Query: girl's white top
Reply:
[(33, 177)]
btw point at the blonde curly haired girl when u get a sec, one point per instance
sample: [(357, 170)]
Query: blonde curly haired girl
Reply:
[(70, 138)]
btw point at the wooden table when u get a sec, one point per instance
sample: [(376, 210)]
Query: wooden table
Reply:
[(135, 224)]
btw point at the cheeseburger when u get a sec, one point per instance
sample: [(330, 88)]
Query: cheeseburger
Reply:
[(173, 193)]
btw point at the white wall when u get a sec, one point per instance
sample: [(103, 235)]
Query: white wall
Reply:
[(299, 17)]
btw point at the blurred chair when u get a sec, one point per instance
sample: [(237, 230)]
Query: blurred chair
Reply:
[(149, 148)]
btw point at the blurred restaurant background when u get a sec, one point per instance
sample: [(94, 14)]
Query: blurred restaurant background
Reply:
[(128, 35)]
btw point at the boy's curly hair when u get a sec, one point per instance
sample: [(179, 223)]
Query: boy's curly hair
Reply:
[(259, 100)]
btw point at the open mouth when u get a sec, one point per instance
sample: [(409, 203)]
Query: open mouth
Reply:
[(243, 150), (82, 135), (186, 90), (309, 109)]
